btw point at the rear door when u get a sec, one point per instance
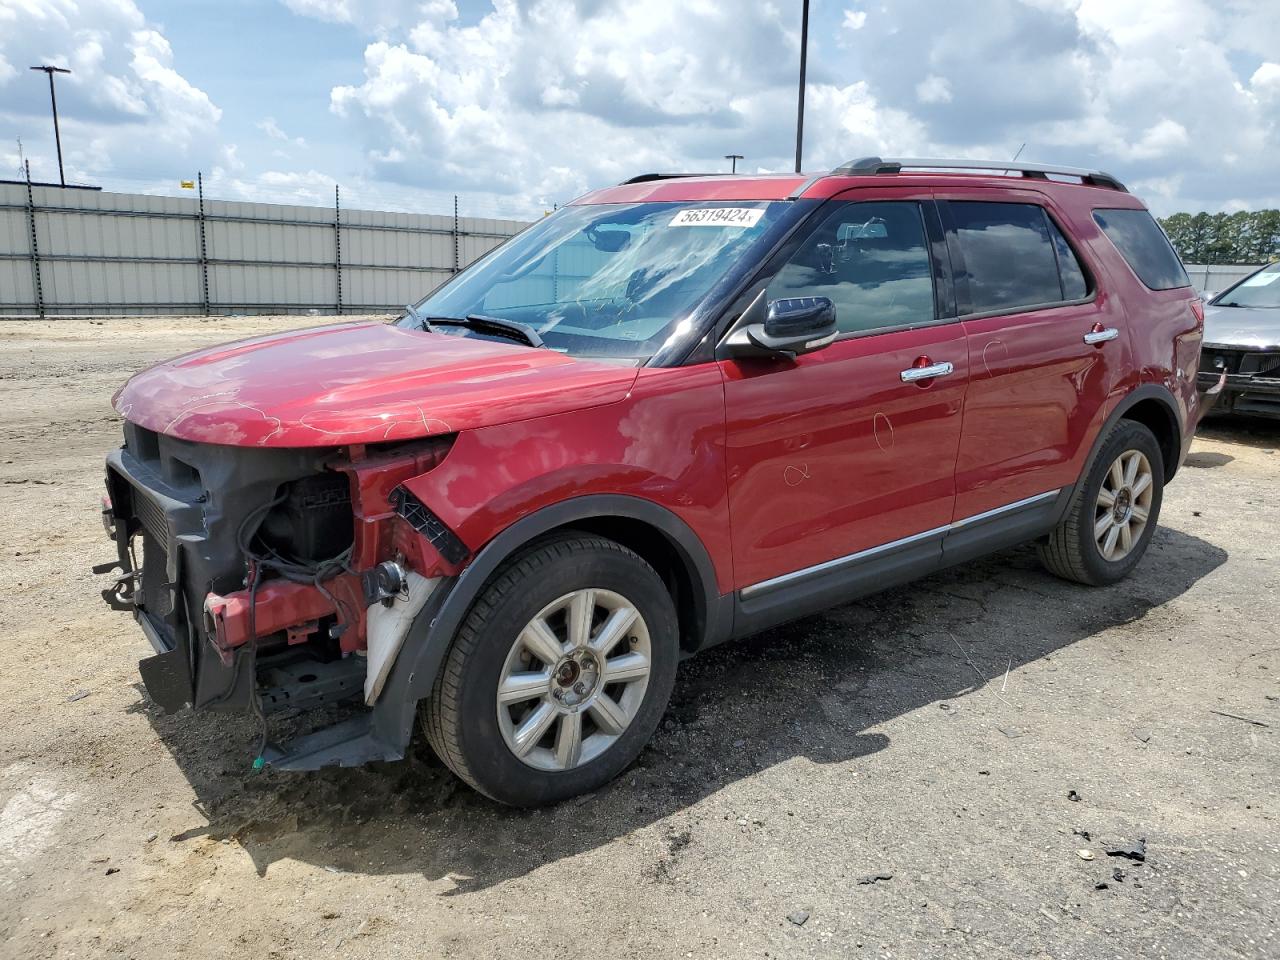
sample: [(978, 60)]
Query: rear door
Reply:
[(850, 449), (1044, 346)]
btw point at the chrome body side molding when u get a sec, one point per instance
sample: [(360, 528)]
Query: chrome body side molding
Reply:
[(827, 566)]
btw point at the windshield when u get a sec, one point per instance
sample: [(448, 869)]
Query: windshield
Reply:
[(604, 280), (1260, 290)]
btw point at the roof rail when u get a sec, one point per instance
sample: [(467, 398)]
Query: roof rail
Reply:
[(647, 177), (872, 166)]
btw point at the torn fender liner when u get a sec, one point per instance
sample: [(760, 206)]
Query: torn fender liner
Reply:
[(420, 517), (383, 732), (351, 743), (387, 628)]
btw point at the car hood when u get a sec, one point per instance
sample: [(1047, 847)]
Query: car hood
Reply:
[(1247, 327), (360, 383)]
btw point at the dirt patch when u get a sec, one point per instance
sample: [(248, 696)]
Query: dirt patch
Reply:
[(932, 737)]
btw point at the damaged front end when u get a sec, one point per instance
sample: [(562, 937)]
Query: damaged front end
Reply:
[(273, 578)]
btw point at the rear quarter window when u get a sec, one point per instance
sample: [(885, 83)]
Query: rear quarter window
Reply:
[(1144, 247)]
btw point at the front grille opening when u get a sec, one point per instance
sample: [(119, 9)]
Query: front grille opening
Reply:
[(141, 442), (181, 474), (1266, 365)]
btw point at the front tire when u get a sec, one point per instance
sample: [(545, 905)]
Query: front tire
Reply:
[(1114, 513), (558, 676)]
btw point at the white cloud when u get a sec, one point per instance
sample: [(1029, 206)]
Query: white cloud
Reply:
[(374, 15), (1265, 82), (933, 89), (1160, 140), (508, 104), (1150, 92), (545, 99), (308, 187), (272, 129), (516, 104), (854, 19), (538, 99), (124, 107)]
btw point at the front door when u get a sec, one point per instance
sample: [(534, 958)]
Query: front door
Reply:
[(851, 448), (1043, 351)]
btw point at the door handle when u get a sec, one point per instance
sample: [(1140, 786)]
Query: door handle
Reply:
[(1101, 335), (912, 374)]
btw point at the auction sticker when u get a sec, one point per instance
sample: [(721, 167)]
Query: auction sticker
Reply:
[(718, 217)]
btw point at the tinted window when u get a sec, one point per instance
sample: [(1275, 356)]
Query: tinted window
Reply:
[(1143, 244), (1008, 255), (871, 260), (1074, 284)]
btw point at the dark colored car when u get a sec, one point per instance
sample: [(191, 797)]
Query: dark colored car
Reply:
[(678, 411), (1242, 341)]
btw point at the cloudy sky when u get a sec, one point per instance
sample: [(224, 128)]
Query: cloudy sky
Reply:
[(519, 104)]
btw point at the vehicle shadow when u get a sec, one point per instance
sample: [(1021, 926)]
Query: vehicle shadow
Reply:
[(1207, 459), (1238, 428), (816, 688)]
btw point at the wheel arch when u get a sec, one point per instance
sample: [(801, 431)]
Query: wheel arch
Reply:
[(661, 538), (651, 530), (1155, 408)]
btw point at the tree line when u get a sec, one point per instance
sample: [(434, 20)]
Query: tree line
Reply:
[(1248, 236)]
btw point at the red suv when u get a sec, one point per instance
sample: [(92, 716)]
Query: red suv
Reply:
[(677, 411)]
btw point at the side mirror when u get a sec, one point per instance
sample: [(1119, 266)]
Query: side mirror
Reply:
[(781, 328)]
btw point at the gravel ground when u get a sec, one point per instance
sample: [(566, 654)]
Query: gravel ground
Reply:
[(978, 741)]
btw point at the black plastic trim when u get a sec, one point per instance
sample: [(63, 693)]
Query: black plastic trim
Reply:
[(971, 540), (914, 557), (841, 584), (167, 678), (650, 177), (419, 516)]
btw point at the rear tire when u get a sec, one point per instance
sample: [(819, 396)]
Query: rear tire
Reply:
[(559, 674), (1114, 513)]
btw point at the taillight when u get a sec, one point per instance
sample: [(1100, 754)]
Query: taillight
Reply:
[(1197, 307)]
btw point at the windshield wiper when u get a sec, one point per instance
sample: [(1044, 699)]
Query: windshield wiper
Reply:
[(512, 329)]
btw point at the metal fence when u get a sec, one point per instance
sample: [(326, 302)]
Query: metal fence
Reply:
[(67, 252), (1217, 277)]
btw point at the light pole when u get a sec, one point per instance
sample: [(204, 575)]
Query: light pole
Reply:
[(735, 157), (53, 98), (804, 58)]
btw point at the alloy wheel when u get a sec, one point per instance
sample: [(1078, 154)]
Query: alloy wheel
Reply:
[(1123, 505), (574, 679)]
